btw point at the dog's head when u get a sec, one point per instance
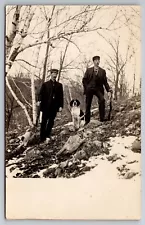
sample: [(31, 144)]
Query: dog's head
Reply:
[(74, 103)]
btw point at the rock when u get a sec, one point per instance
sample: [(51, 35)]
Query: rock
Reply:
[(35, 176), (83, 161), (12, 141), (131, 162), (95, 122), (106, 151), (136, 146), (71, 128), (121, 168), (98, 144), (58, 172), (64, 132), (80, 165), (86, 168), (129, 175), (71, 145), (113, 158), (32, 153), (48, 171), (97, 130), (70, 163), (12, 168), (53, 166), (63, 164), (87, 133), (34, 139), (80, 155)]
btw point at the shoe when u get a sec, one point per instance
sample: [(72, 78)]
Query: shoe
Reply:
[(47, 140), (86, 123), (41, 141)]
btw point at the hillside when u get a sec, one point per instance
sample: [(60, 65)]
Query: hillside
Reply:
[(90, 145)]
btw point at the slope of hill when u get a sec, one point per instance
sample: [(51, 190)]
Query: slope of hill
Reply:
[(115, 144)]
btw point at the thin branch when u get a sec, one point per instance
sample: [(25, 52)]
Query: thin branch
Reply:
[(21, 93), (19, 102), (72, 43), (22, 60)]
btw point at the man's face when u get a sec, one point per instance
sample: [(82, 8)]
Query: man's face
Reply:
[(53, 76), (96, 62)]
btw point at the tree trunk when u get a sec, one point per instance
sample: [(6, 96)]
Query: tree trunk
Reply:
[(33, 92), (116, 87), (62, 58), (46, 58), (48, 43), (133, 91), (19, 103), (15, 27), (34, 112), (13, 54)]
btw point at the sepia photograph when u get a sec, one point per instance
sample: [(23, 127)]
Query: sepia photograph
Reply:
[(73, 112)]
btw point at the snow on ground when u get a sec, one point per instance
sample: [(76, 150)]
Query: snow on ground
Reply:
[(99, 194)]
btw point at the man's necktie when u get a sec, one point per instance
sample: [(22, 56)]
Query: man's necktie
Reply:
[(96, 71)]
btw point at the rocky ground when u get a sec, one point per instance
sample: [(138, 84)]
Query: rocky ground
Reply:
[(73, 153)]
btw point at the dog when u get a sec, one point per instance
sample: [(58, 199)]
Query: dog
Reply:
[(76, 113)]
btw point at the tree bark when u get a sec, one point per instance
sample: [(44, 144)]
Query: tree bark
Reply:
[(19, 102), (48, 44), (14, 31), (13, 54)]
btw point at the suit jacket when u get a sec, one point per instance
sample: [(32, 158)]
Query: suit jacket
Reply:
[(101, 80), (46, 96)]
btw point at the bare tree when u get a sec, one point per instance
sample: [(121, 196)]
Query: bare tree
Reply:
[(61, 25), (11, 55), (117, 63)]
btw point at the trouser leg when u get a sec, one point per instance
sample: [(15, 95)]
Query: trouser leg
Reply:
[(89, 97), (43, 126), (101, 102), (50, 123)]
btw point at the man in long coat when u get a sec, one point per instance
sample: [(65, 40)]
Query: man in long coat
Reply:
[(94, 81), (51, 101)]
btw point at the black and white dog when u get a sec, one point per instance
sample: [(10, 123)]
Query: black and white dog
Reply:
[(76, 113)]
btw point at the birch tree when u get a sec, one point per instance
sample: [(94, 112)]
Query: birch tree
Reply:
[(24, 36), (12, 54)]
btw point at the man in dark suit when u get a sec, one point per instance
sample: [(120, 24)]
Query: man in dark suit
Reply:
[(51, 101), (93, 82)]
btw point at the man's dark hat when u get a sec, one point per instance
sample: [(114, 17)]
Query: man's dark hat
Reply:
[(53, 71), (96, 57)]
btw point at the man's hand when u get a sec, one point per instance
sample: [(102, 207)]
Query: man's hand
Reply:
[(40, 118), (38, 103), (60, 109)]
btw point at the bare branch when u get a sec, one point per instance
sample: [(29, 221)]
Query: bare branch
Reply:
[(19, 102), (22, 60), (21, 93)]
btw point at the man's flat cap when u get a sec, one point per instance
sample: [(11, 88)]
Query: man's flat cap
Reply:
[(96, 57), (53, 71)]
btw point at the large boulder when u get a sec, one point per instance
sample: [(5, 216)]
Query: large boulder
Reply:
[(136, 146), (71, 145)]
